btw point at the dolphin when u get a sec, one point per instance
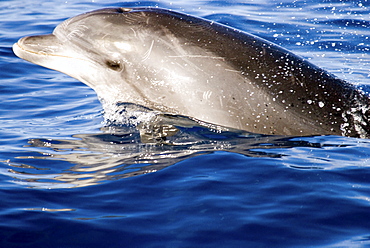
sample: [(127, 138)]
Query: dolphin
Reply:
[(184, 65)]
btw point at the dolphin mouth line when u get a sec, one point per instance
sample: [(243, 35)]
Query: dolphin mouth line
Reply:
[(42, 53)]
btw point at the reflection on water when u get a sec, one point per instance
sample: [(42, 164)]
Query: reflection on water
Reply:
[(50, 209), (126, 151)]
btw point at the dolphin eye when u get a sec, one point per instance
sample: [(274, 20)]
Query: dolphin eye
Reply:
[(114, 65)]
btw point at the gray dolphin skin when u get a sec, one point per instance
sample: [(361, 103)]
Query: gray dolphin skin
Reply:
[(184, 65)]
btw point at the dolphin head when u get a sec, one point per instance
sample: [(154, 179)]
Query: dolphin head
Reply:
[(107, 49), (98, 48)]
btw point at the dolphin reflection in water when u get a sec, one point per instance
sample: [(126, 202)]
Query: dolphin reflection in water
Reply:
[(91, 159)]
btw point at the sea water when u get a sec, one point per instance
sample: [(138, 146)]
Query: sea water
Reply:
[(68, 178)]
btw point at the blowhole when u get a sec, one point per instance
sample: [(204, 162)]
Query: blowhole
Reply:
[(123, 10)]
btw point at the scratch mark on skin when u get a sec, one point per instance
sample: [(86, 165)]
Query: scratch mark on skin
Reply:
[(233, 70), (147, 53), (197, 56), (78, 32), (207, 94), (133, 30), (221, 102)]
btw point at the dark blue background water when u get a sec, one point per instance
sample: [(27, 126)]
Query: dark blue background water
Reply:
[(68, 181)]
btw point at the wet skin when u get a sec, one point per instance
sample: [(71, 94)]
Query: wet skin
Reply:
[(180, 64)]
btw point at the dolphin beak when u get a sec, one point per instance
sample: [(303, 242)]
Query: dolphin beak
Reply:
[(29, 48), (50, 52)]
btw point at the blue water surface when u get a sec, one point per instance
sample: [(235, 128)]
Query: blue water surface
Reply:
[(68, 179)]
